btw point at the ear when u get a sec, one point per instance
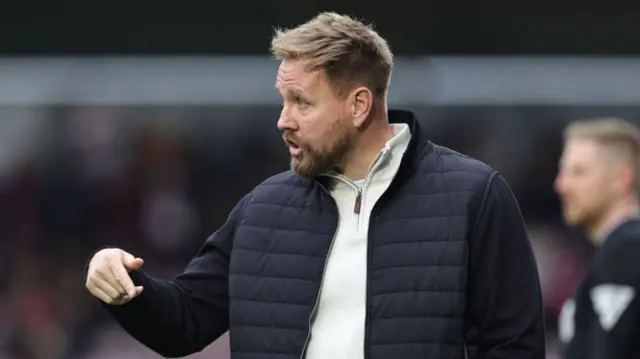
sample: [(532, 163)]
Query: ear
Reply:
[(626, 177), (360, 105)]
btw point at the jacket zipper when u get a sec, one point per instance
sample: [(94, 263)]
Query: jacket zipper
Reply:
[(356, 209), (324, 268), (357, 205), (326, 259)]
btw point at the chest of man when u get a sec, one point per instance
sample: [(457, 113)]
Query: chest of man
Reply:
[(414, 263)]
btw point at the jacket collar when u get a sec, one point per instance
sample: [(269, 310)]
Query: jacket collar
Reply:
[(418, 143), (418, 146)]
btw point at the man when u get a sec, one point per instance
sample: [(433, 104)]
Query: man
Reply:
[(597, 183), (377, 244)]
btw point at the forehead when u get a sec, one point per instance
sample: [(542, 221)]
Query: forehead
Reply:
[(580, 150), (294, 74)]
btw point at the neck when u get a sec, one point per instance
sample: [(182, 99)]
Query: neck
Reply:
[(618, 212), (365, 151)]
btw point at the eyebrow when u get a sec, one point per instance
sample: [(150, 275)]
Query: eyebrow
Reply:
[(296, 91)]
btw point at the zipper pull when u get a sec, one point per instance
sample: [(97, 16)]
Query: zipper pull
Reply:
[(358, 204)]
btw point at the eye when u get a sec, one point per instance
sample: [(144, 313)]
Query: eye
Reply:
[(301, 102), (578, 171)]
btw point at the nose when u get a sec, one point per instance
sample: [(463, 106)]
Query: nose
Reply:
[(286, 121), (282, 123)]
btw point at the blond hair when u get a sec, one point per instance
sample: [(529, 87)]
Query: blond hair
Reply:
[(349, 52), (620, 137)]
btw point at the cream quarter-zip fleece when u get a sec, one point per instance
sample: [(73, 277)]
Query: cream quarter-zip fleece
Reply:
[(337, 331)]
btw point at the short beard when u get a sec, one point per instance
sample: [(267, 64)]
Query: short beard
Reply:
[(591, 219), (312, 162)]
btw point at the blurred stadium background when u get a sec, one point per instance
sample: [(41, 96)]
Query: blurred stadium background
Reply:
[(140, 126)]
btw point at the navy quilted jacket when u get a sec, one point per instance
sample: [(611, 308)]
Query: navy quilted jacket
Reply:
[(451, 270)]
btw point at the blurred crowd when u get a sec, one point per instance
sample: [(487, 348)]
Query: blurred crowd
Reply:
[(157, 181)]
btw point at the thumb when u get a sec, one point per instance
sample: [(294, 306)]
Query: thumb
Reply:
[(131, 262)]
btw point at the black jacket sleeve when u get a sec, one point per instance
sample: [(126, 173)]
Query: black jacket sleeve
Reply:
[(504, 318), (182, 316)]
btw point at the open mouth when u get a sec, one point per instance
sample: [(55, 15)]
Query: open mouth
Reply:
[(294, 149)]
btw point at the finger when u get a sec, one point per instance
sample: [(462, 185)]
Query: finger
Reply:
[(121, 275), (127, 298), (107, 288), (100, 294), (139, 290), (108, 276), (131, 262), (134, 264)]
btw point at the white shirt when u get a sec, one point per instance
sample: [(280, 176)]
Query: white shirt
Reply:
[(337, 331)]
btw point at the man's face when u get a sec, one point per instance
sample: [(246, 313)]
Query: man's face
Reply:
[(315, 123), (585, 182)]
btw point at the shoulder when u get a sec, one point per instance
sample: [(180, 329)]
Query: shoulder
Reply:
[(623, 243), (485, 188), (286, 179), (457, 170), (614, 276), (627, 235), (283, 184), (617, 258)]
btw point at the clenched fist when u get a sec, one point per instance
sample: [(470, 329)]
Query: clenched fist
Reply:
[(108, 277)]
